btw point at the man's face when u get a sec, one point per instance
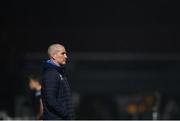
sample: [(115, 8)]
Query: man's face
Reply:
[(33, 84), (61, 56)]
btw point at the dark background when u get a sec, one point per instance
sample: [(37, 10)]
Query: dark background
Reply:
[(88, 26)]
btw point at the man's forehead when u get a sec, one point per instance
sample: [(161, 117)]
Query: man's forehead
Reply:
[(61, 48)]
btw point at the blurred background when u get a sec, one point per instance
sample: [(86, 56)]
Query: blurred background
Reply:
[(124, 60)]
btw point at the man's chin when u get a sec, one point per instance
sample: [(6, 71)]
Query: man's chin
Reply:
[(64, 63)]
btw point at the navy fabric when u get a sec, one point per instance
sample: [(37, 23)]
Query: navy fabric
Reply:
[(56, 94)]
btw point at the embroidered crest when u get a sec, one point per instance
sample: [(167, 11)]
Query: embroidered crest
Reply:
[(61, 76)]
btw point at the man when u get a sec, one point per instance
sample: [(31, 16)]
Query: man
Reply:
[(56, 94), (35, 85)]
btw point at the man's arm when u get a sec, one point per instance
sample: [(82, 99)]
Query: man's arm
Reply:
[(40, 112), (51, 89)]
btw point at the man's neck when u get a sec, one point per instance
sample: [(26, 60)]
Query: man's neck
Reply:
[(54, 62)]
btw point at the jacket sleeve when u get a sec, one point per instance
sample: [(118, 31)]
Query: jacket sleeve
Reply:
[(51, 89)]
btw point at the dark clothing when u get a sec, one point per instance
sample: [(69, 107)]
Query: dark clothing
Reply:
[(36, 95), (56, 94), (37, 101)]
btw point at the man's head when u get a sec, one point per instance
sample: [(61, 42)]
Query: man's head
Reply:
[(34, 83), (57, 54)]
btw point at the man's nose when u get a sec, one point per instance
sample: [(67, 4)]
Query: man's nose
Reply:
[(65, 56)]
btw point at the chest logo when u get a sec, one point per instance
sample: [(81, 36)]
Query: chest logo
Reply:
[(61, 76)]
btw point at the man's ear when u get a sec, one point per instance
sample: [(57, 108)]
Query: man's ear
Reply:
[(53, 56)]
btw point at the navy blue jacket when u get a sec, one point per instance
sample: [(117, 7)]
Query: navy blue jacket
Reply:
[(56, 94)]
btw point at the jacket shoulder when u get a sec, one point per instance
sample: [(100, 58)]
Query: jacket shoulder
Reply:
[(51, 70), (51, 73)]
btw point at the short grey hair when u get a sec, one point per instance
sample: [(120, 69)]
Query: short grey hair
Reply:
[(53, 49)]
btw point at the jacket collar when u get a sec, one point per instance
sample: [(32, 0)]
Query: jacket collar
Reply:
[(48, 64)]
